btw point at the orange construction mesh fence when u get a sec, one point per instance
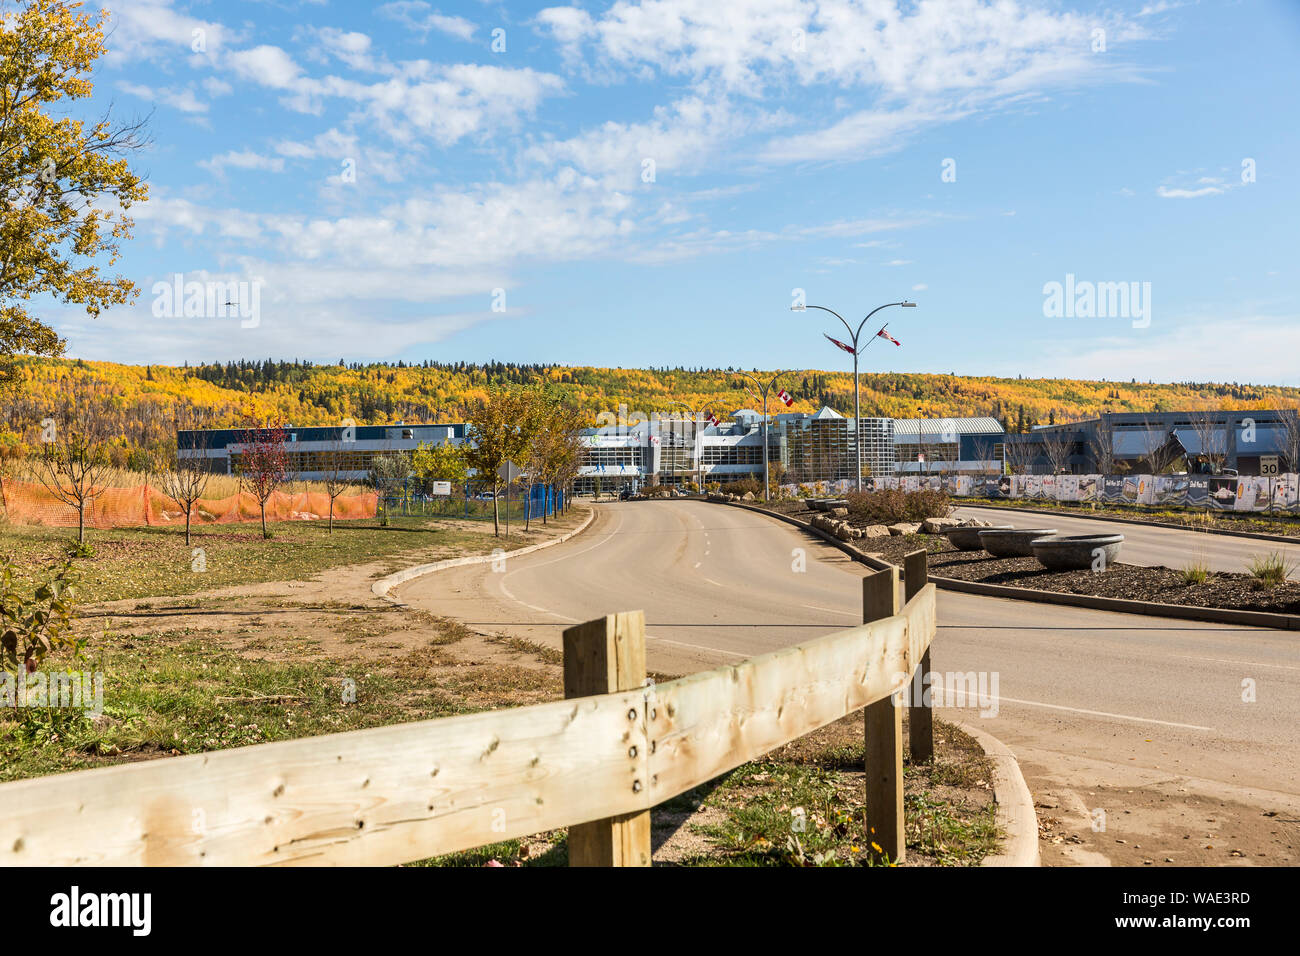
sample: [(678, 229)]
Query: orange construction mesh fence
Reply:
[(28, 503)]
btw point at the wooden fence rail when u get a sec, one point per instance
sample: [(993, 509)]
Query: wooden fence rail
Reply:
[(596, 762)]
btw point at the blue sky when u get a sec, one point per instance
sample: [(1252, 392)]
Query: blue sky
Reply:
[(649, 182)]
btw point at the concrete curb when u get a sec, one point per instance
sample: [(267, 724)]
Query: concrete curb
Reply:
[(1091, 516), (385, 584), (1184, 612), (1014, 803)]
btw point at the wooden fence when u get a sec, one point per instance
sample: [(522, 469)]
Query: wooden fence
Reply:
[(596, 762)]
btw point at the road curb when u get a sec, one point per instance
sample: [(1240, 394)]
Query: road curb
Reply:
[(1013, 802), (1091, 516), (385, 584), (1183, 612)]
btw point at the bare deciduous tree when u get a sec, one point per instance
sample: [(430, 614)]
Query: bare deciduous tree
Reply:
[(334, 460), (1291, 437), (1161, 447), (1103, 446), (1212, 436), (1058, 446), (184, 480), (75, 458)]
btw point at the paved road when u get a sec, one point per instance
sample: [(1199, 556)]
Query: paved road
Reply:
[(1154, 547), (1090, 701)]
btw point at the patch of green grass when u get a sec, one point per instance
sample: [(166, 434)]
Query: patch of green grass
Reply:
[(1271, 569), (155, 561), (161, 696), (948, 832), (780, 814), (1195, 572), (546, 849)]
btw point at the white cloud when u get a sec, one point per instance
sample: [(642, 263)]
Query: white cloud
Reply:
[(242, 159), (1166, 192), (183, 99), (419, 16), (1224, 347), (920, 287)]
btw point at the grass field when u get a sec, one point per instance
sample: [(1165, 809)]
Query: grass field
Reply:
[(154, 562)]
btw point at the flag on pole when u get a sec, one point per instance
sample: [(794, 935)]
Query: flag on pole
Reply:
[(785, 397), (885, 335), (847, 348), (713, 420)]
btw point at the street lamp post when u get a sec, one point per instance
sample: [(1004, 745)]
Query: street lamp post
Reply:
[(857, 406), (764, 389)]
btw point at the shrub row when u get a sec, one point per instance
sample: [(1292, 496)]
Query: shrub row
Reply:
[(890, 505)]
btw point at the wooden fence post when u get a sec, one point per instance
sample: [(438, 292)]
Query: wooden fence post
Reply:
[(884, 738), (920, 716), (606, 656)]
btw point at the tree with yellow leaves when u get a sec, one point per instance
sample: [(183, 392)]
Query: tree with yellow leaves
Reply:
[(66, 185)]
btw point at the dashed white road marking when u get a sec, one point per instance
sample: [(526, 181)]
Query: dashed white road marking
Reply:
[(828, 610), (698, 647), (1102, 713), (1219, 660)]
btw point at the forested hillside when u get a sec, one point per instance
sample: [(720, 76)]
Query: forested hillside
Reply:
[(140, 404)]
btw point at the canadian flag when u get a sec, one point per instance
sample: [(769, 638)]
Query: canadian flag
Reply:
[(713, 420), (885, 335), (785, 397), (847, 348)]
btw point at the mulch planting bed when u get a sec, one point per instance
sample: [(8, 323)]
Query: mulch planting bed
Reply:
[(1158, 585)]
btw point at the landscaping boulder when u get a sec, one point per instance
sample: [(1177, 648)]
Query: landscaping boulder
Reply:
[(940, 525), (905, 527), (747, 496), (875, 531)]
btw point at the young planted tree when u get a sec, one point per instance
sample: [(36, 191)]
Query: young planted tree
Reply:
[(388, 472), (184, 481), (1291, 437), (1160, 447), (263, 464), (1212, 436), (335, 462), (443, 462), (1058, 446), (501, 430), (1103, 446), (74, 460), (556, 445), (65, 186)]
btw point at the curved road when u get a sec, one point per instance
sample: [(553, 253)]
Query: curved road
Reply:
[(1140, 717), (1145, 545)]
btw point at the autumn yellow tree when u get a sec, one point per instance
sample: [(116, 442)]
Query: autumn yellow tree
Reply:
[(66, 184)]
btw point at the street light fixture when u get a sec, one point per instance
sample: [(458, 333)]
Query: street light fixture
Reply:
[(856, 350), (764, 389)]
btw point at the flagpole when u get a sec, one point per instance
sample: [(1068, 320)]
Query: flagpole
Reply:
[(857, 405)]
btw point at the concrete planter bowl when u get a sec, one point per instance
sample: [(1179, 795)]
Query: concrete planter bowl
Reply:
[(1012, 542), (968, 539), (1077, 552)]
